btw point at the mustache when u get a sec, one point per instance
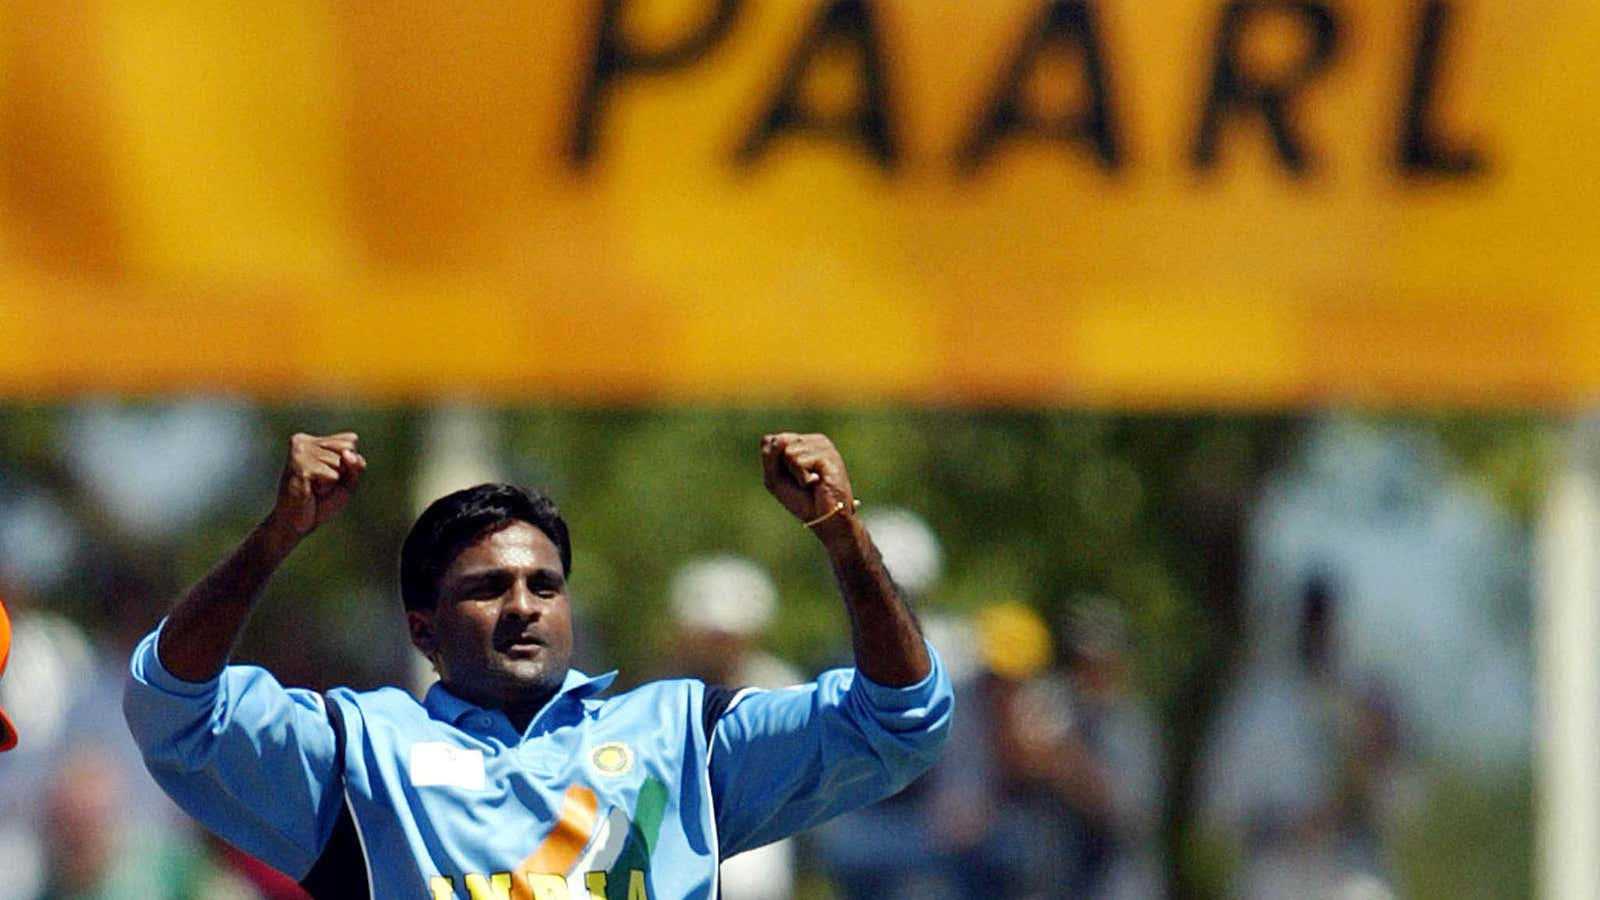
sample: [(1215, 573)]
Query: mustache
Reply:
[(515, 634)]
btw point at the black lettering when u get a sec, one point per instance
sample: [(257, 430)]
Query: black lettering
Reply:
[(1423, 150), (1235, 91), (1068, 27), (616, 56), (847, 24)]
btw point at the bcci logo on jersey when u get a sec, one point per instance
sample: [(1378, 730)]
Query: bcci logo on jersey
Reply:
[(612, 759)]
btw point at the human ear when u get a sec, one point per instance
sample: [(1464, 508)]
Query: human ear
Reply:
[(419, 622)]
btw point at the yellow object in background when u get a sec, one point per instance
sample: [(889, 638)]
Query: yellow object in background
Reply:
[(1015, 640)]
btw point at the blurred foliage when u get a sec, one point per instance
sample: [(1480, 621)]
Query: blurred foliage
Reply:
[(1507, 455), (1472, 840)]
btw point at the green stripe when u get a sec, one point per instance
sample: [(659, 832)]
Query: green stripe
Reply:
[(642, 834)]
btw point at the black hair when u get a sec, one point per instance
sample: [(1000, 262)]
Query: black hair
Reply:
[(455, 520)]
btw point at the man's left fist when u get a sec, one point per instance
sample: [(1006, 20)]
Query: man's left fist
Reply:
[(806, 473)]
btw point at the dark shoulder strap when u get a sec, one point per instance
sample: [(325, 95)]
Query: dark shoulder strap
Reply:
[(336, 719), (341, 870), (718, 699)]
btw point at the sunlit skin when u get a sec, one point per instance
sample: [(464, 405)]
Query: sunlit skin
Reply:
[(500, 632)]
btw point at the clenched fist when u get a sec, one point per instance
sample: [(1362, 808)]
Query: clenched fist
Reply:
[(319, 478), (806, 473)]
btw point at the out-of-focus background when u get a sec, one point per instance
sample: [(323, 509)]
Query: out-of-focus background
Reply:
[(1214, 373)]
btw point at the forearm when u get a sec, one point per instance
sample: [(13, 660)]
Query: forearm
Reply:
[(202, 629), (884, 635)]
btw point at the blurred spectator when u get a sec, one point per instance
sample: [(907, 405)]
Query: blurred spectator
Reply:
[(1087, 740), (79, 816), (1017, 843), (1049, 786), (721, 607), (1304, 773), (60, 690), (94, 852), (1431, 580)]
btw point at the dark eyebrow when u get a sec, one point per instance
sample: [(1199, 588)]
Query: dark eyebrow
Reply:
[(543, 576), (481, 577), (547, 577)]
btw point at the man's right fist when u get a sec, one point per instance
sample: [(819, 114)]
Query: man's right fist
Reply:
[(319, 477)]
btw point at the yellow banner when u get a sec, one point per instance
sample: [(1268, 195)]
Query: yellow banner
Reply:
[(1187, 203)]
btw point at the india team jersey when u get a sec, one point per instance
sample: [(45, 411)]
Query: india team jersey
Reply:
[(632, 797)]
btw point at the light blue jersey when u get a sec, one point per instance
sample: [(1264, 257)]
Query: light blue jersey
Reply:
[(632, 797)]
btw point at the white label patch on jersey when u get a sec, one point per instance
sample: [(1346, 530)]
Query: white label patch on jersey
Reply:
[(437, 764)]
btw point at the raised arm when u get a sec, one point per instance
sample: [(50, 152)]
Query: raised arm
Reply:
[(786, 760), (318, 479), (807, 475), (254, 761)]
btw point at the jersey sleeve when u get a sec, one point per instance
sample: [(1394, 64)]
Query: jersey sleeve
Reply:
[(250, 759), (784, 760)]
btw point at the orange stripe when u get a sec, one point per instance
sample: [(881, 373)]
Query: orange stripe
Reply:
[(561, 847)]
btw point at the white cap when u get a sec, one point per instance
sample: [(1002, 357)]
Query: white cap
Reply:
[(956, 639), (723, 593), (909, 547)]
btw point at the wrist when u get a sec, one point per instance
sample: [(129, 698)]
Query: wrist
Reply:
[(842, 534), (276, 536)]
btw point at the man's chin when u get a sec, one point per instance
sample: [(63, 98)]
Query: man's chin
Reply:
[(532, 677)]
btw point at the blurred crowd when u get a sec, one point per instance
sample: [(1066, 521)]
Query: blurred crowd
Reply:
[(1369, 570)]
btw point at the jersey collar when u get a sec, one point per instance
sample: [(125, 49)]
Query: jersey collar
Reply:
[(441, 704)]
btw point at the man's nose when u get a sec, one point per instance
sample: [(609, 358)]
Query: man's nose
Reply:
[(523, 602)]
